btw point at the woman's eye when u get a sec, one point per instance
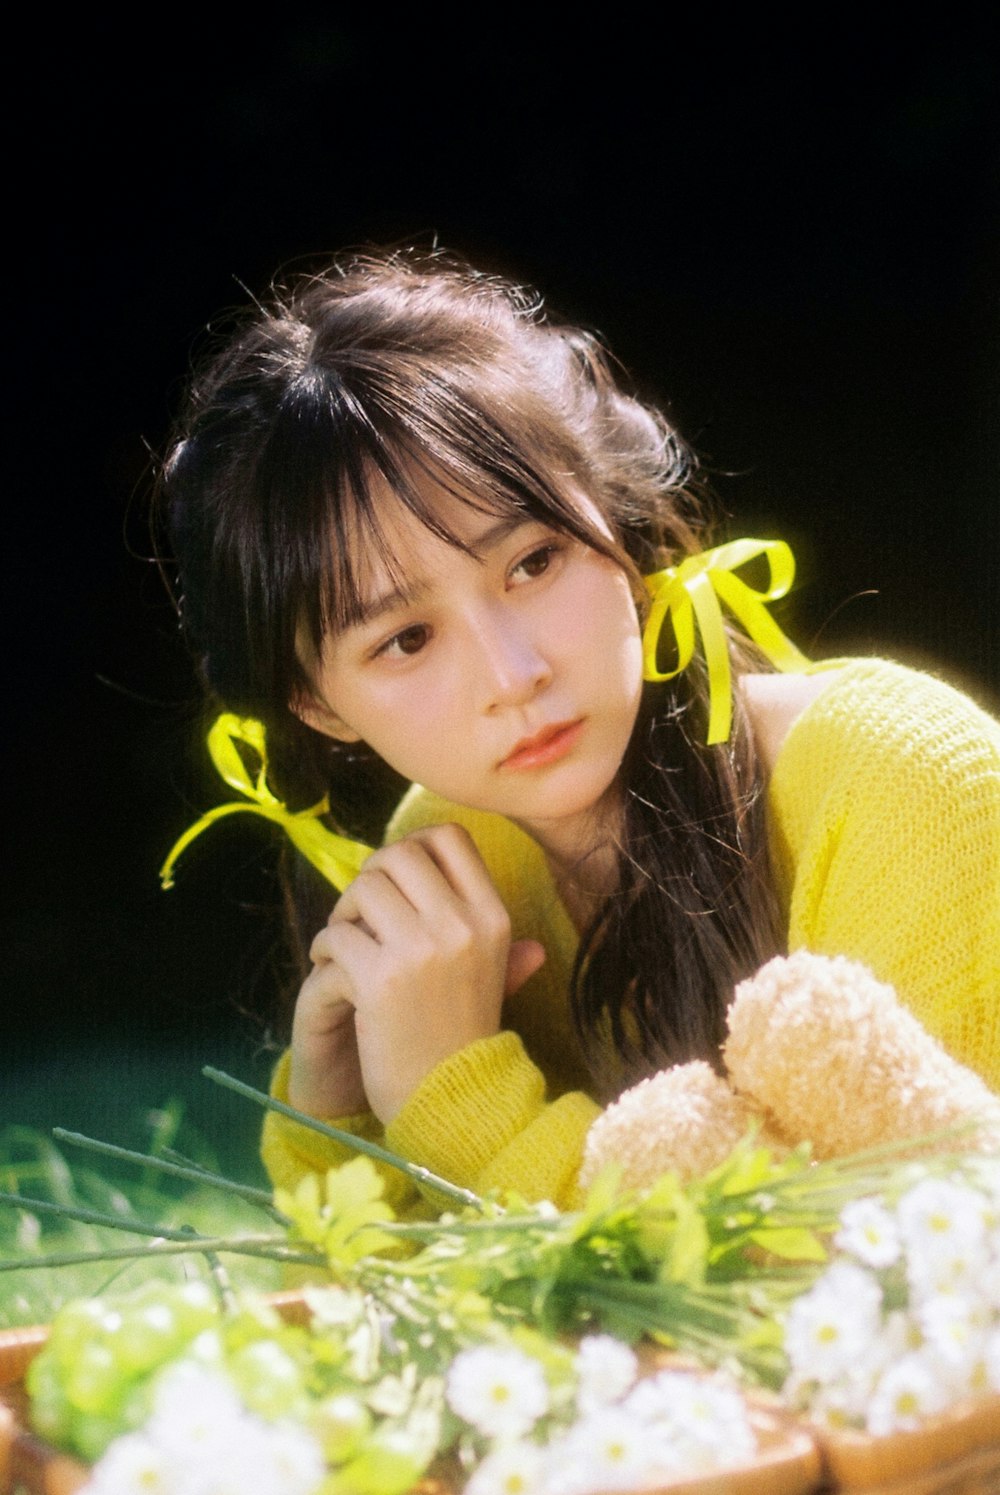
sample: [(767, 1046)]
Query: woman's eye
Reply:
[(537, 563), (408, 641)]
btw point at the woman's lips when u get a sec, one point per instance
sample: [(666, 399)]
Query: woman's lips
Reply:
[(546, 746)]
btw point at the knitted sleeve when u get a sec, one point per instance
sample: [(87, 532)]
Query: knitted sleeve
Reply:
[(885, 828), (480, 1119), (290, 1150)]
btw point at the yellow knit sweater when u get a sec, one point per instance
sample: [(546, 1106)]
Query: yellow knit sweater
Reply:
[(884, 828)]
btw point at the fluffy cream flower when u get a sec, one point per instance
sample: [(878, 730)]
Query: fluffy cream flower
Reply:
[(829, 1054), (685, 1118), (819, 1051)]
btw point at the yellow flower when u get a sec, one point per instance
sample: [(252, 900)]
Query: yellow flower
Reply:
[(344, 1220)]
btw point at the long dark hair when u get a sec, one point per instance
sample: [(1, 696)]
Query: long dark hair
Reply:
[(390, 364)]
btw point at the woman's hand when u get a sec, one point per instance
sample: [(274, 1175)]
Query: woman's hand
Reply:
[(325, 1075), (414, 963)]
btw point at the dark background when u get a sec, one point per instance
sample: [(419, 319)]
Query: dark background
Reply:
[(789, 240)]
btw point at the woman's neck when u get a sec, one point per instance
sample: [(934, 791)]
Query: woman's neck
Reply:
[(584, 886), (582, 856)]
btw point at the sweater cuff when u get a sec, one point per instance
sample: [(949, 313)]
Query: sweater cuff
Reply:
[(290, 1150), (480, 1120)]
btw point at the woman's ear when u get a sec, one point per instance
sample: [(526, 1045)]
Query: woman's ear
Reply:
[(318, 715)]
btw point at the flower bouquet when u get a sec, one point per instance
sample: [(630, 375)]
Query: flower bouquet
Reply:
[(660, 1340)]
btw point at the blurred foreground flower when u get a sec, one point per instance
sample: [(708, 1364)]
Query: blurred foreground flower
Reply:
[(905, 1322)]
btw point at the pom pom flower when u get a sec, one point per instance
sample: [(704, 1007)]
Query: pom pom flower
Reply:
[(819, 1051)]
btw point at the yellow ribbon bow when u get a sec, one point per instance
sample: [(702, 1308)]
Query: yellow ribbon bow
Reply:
[(338, 858), (689, 594)]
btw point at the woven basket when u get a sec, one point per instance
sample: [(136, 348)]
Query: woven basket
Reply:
[(956, 1454), (787, 1461)]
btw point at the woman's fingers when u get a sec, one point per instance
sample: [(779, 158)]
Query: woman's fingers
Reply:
[(419, 946), (524, 959), (325, 1077), (375, 903), (457, 856), (428, 864), (434, 877)]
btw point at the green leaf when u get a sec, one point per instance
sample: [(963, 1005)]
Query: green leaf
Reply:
[(687, 1257), (354, 1186), (746, 1168), (389, 1464), (791, 1243), (603, 1192)]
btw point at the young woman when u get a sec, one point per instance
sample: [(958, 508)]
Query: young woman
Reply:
[(413, 520)]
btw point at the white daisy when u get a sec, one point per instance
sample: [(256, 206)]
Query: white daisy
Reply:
[(501, 1392), (943, 1226), (955, 1326), (841, 1403), (606, 1368), (869, 1232), (133, 1465), (704, 1419), (510, 1469), (196, 1412), (910, 1391), (833, 1325), (295, 1457), (609, 1450)]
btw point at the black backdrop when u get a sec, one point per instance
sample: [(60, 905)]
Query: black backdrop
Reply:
[(789, 240)]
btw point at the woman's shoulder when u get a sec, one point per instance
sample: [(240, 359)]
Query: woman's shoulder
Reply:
[(884, 830), (852, 716), (775, 702)]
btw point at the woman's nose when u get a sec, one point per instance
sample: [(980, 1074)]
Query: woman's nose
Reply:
[(512, 667)]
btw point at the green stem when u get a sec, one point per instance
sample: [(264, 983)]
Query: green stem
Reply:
[(220, 1281), (347, 1139), (262, 1246), (668, 1304), (96, 1217), (192, 1172), (435, 1230)]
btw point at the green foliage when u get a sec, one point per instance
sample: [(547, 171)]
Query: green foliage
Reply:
[(32, 1165), (342, 1216)]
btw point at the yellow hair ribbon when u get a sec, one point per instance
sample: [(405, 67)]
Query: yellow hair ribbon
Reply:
[(338, 858), (689, 594)]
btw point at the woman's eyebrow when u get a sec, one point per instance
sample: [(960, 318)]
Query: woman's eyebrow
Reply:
[(496, 533), (402, 595), (398, 596)]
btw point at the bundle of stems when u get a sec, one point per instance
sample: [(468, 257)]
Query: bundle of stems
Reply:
[(706, 1268)]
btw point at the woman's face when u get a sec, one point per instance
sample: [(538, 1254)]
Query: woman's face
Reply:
[(507, 679)]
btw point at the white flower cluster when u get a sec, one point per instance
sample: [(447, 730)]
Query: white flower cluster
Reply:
[(620, 1434), (905, 1321), (200, 1440)]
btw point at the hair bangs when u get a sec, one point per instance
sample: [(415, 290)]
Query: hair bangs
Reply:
[(464, 453)]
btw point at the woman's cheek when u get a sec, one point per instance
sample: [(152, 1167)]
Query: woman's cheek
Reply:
[(416, 732)]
